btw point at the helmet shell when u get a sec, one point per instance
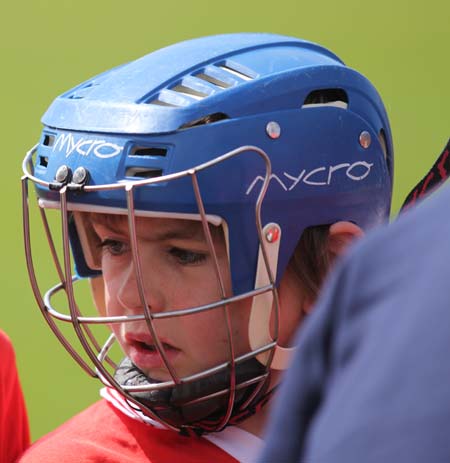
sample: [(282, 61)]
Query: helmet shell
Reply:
[(141, 117)]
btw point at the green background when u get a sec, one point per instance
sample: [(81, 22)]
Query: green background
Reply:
[(49, 46)]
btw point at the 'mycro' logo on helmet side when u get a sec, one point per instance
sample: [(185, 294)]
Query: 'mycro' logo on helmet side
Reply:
[(67, 144), (319, 177)]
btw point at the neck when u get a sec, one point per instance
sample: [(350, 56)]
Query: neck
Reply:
[(256, 424)]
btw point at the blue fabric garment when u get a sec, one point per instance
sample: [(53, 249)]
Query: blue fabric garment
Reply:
[(370, 380)]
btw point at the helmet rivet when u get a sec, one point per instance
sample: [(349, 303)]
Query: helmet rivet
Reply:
[(272, 234), (365, 139), (273, 129), (62, 174), (80, 175)]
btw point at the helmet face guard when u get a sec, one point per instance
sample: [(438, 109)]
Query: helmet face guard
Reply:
[(184, 406), (265, 136)]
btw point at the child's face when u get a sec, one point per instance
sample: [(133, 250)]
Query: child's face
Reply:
[(178, 272)]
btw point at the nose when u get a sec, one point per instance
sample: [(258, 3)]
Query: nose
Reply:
[(130, 290)]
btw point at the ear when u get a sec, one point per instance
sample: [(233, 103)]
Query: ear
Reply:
[(341, 235)]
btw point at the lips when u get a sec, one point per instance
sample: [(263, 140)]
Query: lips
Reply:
[(142, 351)]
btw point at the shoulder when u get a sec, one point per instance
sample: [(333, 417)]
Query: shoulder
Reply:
[(101, 433), (390, 330), (383, 285), (86, 437), (398, 260), (6, 348), (418, 230), (8, 363)]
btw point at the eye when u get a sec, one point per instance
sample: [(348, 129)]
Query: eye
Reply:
[(114, 247), (186, 257)]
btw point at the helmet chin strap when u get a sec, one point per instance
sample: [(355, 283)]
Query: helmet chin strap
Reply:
[(262, 306), (196, 405)]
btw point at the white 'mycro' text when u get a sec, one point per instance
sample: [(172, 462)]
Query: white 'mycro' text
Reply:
[(67, 144), (319, 177)]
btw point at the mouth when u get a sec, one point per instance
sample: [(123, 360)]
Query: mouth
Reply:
[(144, 353), (152, 347)]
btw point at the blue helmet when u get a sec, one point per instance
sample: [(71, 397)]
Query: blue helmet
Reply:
[(263, 134)]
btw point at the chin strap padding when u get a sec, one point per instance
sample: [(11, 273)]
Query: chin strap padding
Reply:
[(263, 304)]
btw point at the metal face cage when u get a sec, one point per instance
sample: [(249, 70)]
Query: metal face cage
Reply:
[(99, 362)]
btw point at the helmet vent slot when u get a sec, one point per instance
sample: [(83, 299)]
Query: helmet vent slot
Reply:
[(203, 83), (43, 161), (326, 97), (163, 103), (49, 140), (81, 92), (140, 151), (143, 172), (190, 92), (209, 119), (235, 72), (213, 80)]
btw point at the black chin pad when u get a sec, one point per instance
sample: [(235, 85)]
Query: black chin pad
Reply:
[(172, 404)]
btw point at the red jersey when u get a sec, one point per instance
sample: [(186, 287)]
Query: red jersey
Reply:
[(101, 433), (14, 431)]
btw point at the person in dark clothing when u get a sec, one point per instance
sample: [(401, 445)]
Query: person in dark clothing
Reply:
[(370, 378)]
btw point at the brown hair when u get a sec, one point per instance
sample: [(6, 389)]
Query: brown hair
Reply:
[(311, 260)]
